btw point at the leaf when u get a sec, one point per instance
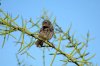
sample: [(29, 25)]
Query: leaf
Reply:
[(28, 54), (4, 41), (16, 17), (91, 57), (13, 36), (54, 21)]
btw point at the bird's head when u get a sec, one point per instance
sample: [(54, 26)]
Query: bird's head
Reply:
[(46, 24)]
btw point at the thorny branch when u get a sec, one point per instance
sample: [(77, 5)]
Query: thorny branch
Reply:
[(73, 43)]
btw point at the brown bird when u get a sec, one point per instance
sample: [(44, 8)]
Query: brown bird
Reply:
[(46, 32)]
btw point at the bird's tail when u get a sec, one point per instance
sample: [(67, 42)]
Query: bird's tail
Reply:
[(39, 43)]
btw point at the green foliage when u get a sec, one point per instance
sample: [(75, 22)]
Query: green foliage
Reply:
[(77, 54)]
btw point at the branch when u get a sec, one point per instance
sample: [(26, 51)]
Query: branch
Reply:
[(4, 22), (8, 22)]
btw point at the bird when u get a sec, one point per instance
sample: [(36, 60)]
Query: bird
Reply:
[(46, 32)]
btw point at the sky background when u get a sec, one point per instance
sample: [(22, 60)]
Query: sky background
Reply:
[(84, 15)]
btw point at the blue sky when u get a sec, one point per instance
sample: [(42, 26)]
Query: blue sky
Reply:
[(83, 14)]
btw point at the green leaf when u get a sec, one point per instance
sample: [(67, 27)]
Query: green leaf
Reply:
[(91, 57), (4, 41)]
